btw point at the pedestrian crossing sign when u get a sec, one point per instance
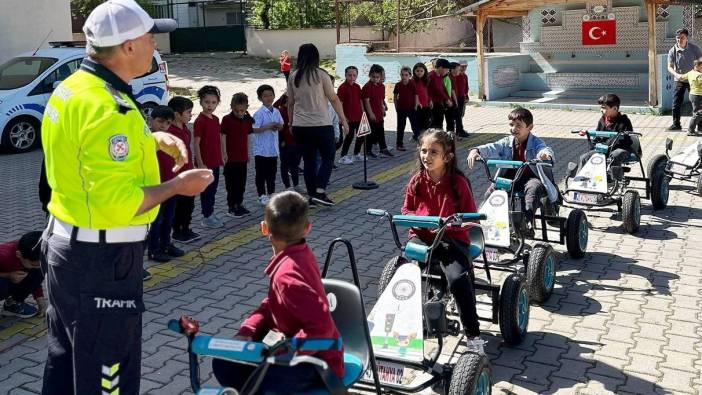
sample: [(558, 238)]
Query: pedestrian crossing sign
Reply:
[(364, 127)]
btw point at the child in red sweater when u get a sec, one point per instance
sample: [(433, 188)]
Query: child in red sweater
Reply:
[(439, 95), (290, 154), (20, 276), (236, 127), (438, 187), (296, 305), (350, 95), (208, 151), (284, 60), (406, 105), (183, 111), (420, 77), (373, 95), (459, 83)]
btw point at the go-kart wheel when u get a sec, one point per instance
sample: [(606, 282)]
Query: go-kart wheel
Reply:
[(631, 211), (577, 233), (659, 181), (514, 309), (541, 272), (699, 185), (388, 272), (471, 375)]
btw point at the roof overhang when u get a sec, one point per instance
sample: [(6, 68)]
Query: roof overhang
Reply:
[(506, 8)]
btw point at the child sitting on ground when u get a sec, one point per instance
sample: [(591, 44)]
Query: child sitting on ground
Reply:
[(438, 187), (20, 276), (521, 145), (612, 121), (296, 304)]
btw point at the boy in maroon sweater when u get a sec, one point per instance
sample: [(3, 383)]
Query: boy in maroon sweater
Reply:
[(296, 305), (440, 97), (20, 275), (459, 83), (373, 95), (236, 127), (350, 95)]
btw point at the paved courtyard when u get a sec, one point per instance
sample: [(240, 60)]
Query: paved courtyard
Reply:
[(624, 319)]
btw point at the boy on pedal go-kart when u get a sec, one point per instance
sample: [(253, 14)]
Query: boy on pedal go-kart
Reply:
[(439, 188), (296, 305), (612, 121), (521, 145)]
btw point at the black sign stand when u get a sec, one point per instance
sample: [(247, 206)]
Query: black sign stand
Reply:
[(365, 184)]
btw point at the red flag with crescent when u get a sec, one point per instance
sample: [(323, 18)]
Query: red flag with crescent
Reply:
[(602, 32)]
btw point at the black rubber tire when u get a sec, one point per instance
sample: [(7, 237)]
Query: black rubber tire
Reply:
[(656, 173), (511, 290), (389, 271), (575, 218), (536, 267), (630, 201), (699, 185), (9, 147), (467, 371)]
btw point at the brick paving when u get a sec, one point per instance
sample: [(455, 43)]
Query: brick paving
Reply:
[(625, 319)]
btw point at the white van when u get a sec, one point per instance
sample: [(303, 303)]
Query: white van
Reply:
[(27, 80)]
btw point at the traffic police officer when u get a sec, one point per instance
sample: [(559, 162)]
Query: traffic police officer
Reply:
[(101, 164)]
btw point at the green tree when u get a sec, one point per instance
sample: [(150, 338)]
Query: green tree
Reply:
[(84, 7)]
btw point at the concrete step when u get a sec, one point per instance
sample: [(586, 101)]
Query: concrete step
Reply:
[(586, 94), (611, 82)]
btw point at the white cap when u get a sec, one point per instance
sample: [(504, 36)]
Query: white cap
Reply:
[(116, 21)]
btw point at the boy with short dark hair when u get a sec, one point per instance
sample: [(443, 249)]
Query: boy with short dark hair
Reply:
[(236, 128), (20, 275), (159, 244), (373, 95), (521, 145), (183, 112), (296, 304), (440, 94), (266, 149), (612, 121)]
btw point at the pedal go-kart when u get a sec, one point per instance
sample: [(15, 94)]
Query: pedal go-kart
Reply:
[(684, 165), (599, 185), (506, 231), (348, 311), (414, 305)]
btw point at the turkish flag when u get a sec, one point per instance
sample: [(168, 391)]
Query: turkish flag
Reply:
[(602, 32)]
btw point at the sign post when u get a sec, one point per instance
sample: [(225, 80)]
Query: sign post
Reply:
[(363, 132)]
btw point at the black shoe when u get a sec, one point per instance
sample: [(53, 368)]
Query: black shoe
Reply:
[(386, 153), (174, 251), (334, 167), (159, 257), (371, 155), (675, 126), (238, 212), (692, 133), (185, 236), (463, 135), (146, 275), (323, 199)]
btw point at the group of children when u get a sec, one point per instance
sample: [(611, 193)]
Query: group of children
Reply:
[(438, 188)]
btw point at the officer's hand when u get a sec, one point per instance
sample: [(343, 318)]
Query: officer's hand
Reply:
[(42, 303), (193, 182), (174, 147), (17, 276)]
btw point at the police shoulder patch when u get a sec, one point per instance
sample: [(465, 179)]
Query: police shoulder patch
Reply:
[(118, 147)]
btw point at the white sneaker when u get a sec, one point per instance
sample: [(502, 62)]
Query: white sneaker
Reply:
[(476, 345), (211, 222), (263, 199), (358, 157), (346, 160)]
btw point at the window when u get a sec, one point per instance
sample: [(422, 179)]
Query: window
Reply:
[(19, 72), (153, 69), (61, 73), (234, 18)]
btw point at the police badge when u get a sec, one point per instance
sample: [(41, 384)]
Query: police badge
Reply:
[(119, 147)]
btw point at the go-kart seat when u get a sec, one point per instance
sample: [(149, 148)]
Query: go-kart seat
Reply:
[(635, 153), (347, 311), (477, 241)]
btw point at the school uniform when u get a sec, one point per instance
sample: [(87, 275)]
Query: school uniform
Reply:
[(265, 149), (208, 130), (406, 104), (350, 96), (375, 93), (237, 131)]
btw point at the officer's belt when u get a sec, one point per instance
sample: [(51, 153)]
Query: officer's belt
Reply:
[(127, 234)]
